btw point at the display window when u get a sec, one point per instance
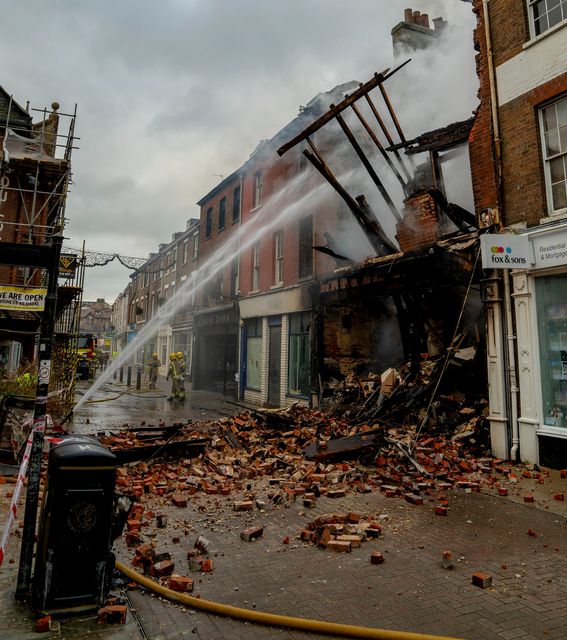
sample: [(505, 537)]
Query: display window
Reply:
[(551, 305)]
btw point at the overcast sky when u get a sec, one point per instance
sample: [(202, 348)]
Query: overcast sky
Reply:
[(171, 93)]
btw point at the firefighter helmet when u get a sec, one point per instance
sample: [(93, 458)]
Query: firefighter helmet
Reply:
[(180, 354), (154, 355), (173, 356)]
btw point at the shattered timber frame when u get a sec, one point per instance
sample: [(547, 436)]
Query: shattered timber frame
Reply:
[(403, 284)]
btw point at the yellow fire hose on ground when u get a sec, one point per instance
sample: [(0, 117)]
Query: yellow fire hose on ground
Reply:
[(272, 619)]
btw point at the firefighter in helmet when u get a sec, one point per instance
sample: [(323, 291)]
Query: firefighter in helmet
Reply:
[(153, 366), (174, 373), (182, 367)]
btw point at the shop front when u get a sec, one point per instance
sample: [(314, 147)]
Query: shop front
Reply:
[(215, 362), (537, 427)]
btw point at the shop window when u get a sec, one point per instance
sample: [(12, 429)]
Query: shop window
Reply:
[(299, 355), (545, 14), (554, 142), (551, 300), (253, 329)]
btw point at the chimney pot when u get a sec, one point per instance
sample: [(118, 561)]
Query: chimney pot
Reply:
[(416, 16), (424, 20), (408, 16), (439, 24)]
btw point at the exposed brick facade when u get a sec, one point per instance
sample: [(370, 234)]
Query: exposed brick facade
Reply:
[(521, 194), (419, 226)]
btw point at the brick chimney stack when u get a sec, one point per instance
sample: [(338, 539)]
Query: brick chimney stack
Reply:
[(415, 32), (439, 24)]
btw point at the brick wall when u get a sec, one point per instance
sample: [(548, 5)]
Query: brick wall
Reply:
[(16, 209), (365, 337), (419, 226), (508, 26), (210, 245), (482, 152)]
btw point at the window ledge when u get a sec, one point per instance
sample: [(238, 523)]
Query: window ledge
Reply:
[(256, 208), (554, 432), (278, 285), (555, 217), (535, 40)]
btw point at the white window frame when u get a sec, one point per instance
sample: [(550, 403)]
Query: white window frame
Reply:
[(531, 4), (278, 257), (195, 246), (256, 267), (257, 189), (562, 212)]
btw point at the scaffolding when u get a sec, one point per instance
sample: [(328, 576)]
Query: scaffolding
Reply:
[(35, 177)]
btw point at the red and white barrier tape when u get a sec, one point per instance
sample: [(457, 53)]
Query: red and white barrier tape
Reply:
[(18, 488)]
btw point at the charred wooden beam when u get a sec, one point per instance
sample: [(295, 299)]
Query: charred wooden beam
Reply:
[(385, 131), (461, 217), (394, 117), (379, 146), (368, 166), (364, 88), (368, 226), (387, 246), (333, 254)]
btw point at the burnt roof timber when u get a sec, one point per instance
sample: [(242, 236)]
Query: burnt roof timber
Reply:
[(437, 139), (362, 90)]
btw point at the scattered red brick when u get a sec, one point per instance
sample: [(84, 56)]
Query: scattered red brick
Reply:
[(482, 579), (113, 614), (180, 583), (251, 534), (162, 569), (43, 624), (376, 557), (179, 500), (447, 560)]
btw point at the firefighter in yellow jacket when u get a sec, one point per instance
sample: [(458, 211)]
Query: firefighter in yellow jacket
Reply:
[(174, 372), (153, 367)]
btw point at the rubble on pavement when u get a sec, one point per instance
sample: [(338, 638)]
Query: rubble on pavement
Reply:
[(414, 441)]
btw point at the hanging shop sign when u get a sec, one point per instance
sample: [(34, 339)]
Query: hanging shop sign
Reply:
[(550, 250), (22, 298), (67, 264), (505, 251)]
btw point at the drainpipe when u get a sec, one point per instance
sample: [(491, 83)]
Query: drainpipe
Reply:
[(508, 316), (240, 346), (512, 377)]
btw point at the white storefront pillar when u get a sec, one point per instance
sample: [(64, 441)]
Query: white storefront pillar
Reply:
[(499, 432), (528, 373)]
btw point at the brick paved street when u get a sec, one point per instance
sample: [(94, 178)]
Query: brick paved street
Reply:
[(410, 591)]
